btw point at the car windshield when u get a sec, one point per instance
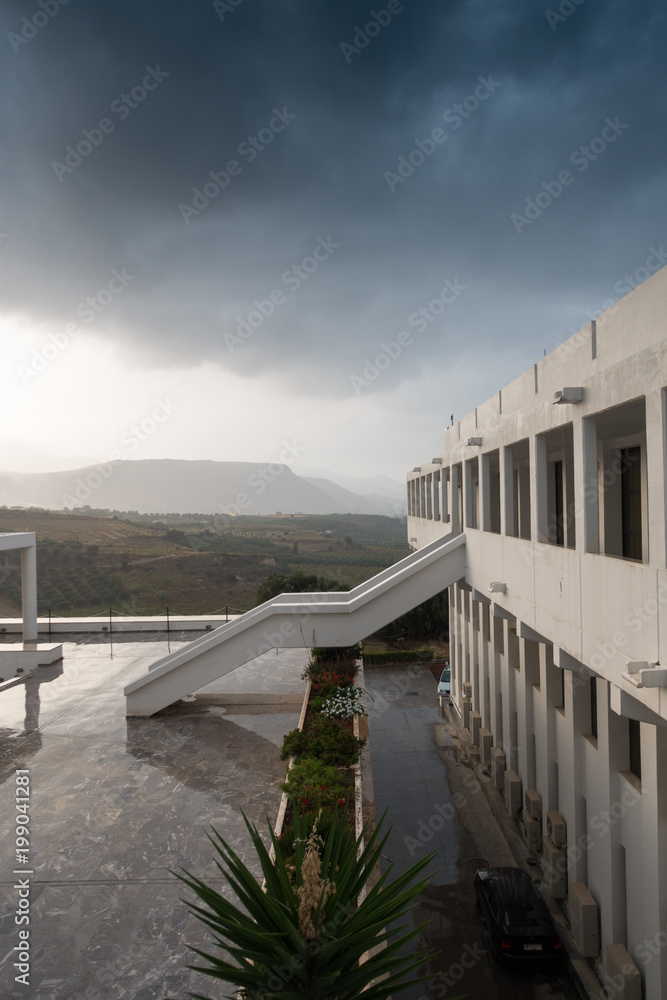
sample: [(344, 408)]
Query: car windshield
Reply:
[(529, 914), (445, 674)]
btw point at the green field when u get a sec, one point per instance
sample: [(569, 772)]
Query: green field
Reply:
[(90, 561)]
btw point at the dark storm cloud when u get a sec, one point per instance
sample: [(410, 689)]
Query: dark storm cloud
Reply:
[(340, 110)]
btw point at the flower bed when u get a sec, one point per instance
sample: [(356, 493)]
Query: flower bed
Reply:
[(324, 750)]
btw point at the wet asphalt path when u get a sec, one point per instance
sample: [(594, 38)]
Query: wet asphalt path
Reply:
[(434, 801)]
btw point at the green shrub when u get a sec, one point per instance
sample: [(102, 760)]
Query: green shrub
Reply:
[(313, 785), (399, 656), (326, 683), (325, 740), (335, 654), (310, 914)]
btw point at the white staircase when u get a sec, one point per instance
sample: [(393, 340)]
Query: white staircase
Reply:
[(301, 620)]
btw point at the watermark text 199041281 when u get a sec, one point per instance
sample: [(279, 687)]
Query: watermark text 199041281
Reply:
[(22, 884)]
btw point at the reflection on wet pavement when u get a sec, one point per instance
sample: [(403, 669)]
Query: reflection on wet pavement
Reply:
[(434, 802), (116, 803)]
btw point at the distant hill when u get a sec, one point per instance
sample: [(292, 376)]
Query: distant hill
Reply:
[(382, 486), (180, 486)]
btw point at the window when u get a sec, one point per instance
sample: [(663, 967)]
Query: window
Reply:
[(634, 734), (594, 706), (631, 503), (559, 536)]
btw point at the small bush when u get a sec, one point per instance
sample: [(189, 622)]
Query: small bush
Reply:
[(335, 654), (328, 682), (313, 785), (343, 669), (325, 740), (399, 656)]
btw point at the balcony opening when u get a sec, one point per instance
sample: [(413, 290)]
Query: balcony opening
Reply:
[(622, 481), (558, 522), (445, 494), (517, 491), (493, 472), (429, 496)]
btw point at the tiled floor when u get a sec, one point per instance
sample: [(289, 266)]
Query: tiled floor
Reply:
[(115, 803)]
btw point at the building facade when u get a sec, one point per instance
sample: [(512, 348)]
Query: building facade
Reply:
[(558, 630)]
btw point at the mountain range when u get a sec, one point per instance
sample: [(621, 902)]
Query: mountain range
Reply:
[(203, 487)]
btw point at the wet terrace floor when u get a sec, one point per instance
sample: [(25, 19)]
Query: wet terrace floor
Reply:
[(116, 803)]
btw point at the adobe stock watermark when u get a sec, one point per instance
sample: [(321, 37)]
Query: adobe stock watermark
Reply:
[(559, 525), (444, 981), (292, 279), (600, 824), (289, 629), (121, 107), (259, 481), (223, 7), (656, 258), (581, 158), (31, 26), (420, 321), (130, 440), (565, 9), (442, 814), (453, 116), (364, 34), (87, 310), (249, 149)]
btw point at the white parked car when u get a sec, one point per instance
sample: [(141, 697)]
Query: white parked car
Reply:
[(445, 682)]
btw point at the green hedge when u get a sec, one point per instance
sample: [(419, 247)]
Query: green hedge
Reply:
[(398, 656)]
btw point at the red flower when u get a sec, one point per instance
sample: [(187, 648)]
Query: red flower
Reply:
[(341, 802)]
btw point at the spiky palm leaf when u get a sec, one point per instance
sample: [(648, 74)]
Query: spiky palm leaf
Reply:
[(267, 956)]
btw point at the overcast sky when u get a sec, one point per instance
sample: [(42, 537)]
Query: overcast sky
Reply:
[(214, 215)]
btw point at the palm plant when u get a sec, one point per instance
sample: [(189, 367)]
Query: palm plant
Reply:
[(307, 933)]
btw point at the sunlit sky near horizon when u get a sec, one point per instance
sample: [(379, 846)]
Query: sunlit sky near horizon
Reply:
[(223, 212)]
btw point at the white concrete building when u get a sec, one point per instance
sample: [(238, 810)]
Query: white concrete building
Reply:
[(559, 626)]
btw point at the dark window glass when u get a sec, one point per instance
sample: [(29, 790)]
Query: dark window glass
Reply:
[(631, 503), (635, 747), (558, 504), (594, 707)]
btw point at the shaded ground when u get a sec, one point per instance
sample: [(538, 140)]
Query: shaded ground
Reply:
[(434, 801)]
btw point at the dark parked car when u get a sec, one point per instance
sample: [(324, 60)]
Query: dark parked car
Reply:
[(517, 918)]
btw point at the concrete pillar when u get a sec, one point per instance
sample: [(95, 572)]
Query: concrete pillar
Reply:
[(506, 491), (653, 865), (545, 723), (484, 493), (454, 500), (586, 498), (571, 769), (657, 484), (467, 495), (29, 592), (538, 487)]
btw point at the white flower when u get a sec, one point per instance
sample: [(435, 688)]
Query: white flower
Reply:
[(345, 704)]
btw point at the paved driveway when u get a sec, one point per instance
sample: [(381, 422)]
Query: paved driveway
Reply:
[(434, 801)]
